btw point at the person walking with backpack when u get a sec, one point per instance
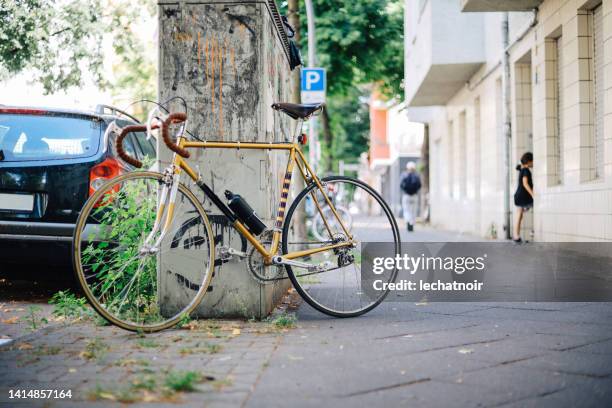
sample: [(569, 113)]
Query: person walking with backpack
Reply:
[(410, 186)]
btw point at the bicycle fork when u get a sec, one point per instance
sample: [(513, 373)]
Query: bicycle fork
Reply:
[(167, 200)]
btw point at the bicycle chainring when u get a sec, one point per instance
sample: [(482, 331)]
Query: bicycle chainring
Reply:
[(261, 273)]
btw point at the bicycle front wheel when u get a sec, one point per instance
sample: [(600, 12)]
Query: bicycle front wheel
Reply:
[(336, 287), (136, 273)]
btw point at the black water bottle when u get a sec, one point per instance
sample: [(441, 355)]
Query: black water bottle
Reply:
[(244, 212)]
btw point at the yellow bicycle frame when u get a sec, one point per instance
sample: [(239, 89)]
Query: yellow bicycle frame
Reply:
[(296, 157)]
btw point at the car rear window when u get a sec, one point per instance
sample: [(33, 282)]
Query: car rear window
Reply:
[(40, 137)]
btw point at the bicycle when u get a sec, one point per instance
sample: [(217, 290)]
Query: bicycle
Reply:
[(137, 223)]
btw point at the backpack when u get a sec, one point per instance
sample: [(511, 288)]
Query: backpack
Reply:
[(411, 184)]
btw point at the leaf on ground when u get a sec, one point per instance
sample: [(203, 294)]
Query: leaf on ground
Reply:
[(25, 346), (107, 395), (72, 370), (236, 332), (466, 351), (11, 320)]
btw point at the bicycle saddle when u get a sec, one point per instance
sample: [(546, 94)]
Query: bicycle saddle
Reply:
[(297, 111)]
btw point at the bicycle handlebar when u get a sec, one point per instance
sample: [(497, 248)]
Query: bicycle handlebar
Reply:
[(121, 151), (177, 117)]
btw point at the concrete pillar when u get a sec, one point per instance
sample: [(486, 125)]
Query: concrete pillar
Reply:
[(229, 61)]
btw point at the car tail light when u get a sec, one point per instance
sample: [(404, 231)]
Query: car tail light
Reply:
[(102, 172), (23, 111)]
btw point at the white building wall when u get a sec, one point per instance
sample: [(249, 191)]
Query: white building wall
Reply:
[(579, 209)]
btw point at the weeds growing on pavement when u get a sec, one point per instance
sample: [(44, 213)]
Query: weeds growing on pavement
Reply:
[(145, 382), (148, 387), (284, 321), (206, 348), (32, 318), (95, 349), (184, 322), (183, 380), (125, 395), (67, 305)]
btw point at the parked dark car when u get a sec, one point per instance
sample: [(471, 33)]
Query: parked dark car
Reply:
[(51, 161)]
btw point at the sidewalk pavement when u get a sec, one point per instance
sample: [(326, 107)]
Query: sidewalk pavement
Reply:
[(400, 354)]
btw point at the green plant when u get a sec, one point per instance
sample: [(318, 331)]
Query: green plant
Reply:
[(284, 321), (122, 394), (95, 349), (183, 380), (185, 320), (206, 348), (145, 382), (34, 321), (67, 305)]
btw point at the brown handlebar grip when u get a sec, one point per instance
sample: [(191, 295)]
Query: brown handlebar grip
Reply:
[(121, 151), (177, 117)]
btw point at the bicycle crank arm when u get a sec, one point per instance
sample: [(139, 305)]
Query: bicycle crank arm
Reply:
[(279, 260), (228, 252)]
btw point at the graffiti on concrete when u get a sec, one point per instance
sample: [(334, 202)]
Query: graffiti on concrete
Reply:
[(210, 52)]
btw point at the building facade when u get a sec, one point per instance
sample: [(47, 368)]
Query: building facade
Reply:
[(551, 93)]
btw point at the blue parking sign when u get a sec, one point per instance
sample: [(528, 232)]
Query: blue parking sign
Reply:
[(313, 79), (313, 84)]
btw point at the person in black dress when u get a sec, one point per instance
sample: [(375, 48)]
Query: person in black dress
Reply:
[(523, 197)]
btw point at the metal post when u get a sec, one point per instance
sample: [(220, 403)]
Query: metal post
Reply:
[(507, 129), (312, 44)]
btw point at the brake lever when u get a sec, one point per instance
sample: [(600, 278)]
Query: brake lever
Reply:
[(150, 118)]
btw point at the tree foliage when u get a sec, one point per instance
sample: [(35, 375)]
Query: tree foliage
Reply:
[(350, 125), (359, 42), (60, 42), (135, 67)]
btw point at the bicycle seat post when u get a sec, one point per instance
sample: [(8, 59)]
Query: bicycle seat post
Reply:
[(298, 129)]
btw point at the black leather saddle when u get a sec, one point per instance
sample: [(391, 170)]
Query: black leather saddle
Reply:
[(299, 111)]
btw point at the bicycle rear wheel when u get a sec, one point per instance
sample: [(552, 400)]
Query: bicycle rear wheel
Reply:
[(337, 290), (133, 276)]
